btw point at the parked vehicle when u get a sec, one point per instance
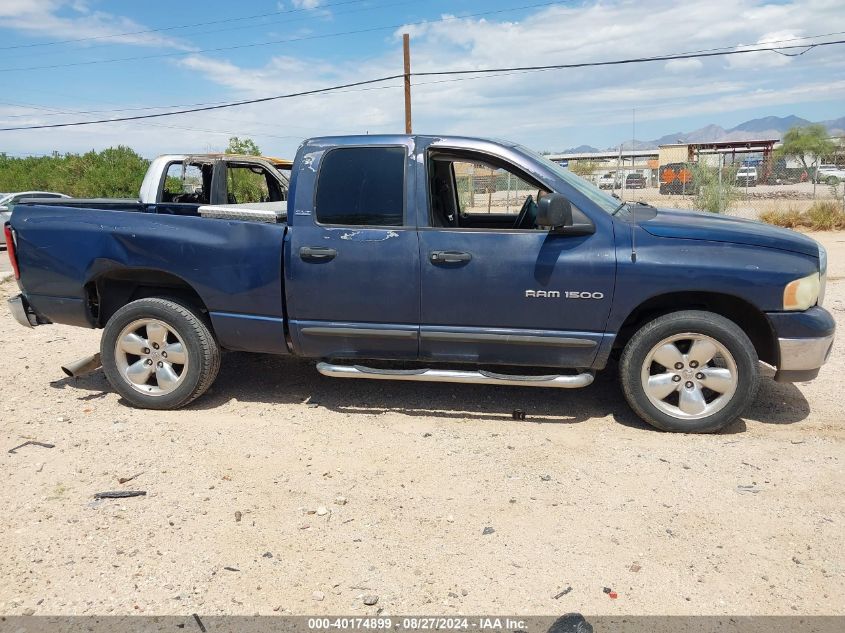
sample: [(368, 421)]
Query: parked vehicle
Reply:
[(379, 260), (608, 181), (746, 176), (8, 200), (830, 174), (676, 179), (635, 181)]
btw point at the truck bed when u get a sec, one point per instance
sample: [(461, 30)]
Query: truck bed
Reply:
[(66, 252)]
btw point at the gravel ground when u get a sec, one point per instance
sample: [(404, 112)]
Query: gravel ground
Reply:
[(285, 492)]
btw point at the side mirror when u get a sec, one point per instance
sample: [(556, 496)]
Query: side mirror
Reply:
[(554, 210)]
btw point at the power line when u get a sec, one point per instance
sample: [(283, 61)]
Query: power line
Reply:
[(273, 42), (59, 112), (635, 60), (253, 26), (180, 26), (461, 73)]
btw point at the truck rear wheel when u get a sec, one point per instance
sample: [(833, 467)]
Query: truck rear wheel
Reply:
[(159, 354), (689, 372)]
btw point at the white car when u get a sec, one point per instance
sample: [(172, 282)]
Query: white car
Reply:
[(746, 177), (608, 181), (831, 174), (8, 199)]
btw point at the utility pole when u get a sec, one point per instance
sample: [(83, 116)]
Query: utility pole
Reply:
[(406, 49)]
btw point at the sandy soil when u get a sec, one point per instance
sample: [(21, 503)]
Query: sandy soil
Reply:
[(317, 492)]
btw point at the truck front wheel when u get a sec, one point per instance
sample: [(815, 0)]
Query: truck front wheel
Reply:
[(159, 354), (689, 372)]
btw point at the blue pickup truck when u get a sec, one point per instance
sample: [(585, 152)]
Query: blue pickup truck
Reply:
[(429, 258)]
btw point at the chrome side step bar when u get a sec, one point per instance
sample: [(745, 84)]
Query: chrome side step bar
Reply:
[(480, 377)]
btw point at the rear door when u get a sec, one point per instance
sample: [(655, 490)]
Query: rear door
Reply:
[(352, 258)]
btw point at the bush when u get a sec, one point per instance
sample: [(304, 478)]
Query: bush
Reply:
[(710, 194), (116, 172), (789, 219), (826, 216), (822, 216)]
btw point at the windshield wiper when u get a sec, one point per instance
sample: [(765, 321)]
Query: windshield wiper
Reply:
[(619, 208)]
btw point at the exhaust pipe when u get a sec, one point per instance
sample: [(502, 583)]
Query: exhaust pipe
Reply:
[(82, 367)]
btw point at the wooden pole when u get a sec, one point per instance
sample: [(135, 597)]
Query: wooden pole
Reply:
[(406, 48)]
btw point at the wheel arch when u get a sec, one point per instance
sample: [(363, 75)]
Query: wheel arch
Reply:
[(746, 315), (111, 290)]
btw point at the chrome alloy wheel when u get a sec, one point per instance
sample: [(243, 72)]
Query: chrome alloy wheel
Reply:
[(689, 376), (151, 357)]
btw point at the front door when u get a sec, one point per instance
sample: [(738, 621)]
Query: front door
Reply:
[(496, 288), (352, 257)]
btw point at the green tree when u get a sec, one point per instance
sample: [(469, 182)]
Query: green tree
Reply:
[(801, 142), (115, 172), (243, 146), (583, 168)]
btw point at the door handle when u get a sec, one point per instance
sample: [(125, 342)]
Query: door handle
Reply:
[(449, 257), (317, 254)]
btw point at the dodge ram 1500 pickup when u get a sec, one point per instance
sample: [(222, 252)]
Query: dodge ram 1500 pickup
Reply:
[(388, 262)]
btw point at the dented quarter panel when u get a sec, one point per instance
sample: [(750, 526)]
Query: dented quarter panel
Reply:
[(235, 267)]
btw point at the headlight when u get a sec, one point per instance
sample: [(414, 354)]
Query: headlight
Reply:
[(802, 293), (822, 272)]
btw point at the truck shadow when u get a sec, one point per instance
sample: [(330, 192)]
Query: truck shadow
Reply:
[(264, 379), (274, 379)]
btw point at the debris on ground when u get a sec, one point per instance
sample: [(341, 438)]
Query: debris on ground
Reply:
[(545, 477), (341, 501), (120, 494), (487, 530), (518, 414), (33, 443), (199, 623), (563, 593), (752, 489), (322, 511), (123, 480), (319, 596), (607, 589), (267, 555), (238, 516), (635, 567), (231, 569), (370, 599)]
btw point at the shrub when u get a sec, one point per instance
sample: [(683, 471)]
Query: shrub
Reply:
[(822, 216), (826, 216), (790, 219), (711, 194)]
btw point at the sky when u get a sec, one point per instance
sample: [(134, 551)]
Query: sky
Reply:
[(75, 60)]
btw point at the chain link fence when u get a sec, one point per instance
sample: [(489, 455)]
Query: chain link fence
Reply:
[(748, 185)]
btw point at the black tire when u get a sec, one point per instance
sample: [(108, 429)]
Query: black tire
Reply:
[(200, 348), (708, 324)]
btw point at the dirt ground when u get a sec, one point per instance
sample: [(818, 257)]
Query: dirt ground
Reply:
[(282, 491)]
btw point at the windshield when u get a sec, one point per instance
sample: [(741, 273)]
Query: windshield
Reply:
[(606, 202)]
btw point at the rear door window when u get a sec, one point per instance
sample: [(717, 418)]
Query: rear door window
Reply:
[(362, 186)]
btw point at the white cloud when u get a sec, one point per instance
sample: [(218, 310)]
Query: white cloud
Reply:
[(40, 18), (307, 4), (683, 65), (547, 110)]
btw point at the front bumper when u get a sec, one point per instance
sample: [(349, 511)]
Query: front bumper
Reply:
[(804, 343), (23, 314)]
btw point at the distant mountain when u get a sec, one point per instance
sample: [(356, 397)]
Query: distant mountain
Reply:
[(768, 127), (768, 123), (581, 149)]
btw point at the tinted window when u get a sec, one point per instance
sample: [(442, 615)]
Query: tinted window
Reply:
[(362, 186)]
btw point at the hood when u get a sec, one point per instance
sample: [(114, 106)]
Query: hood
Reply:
[(699, 225)]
